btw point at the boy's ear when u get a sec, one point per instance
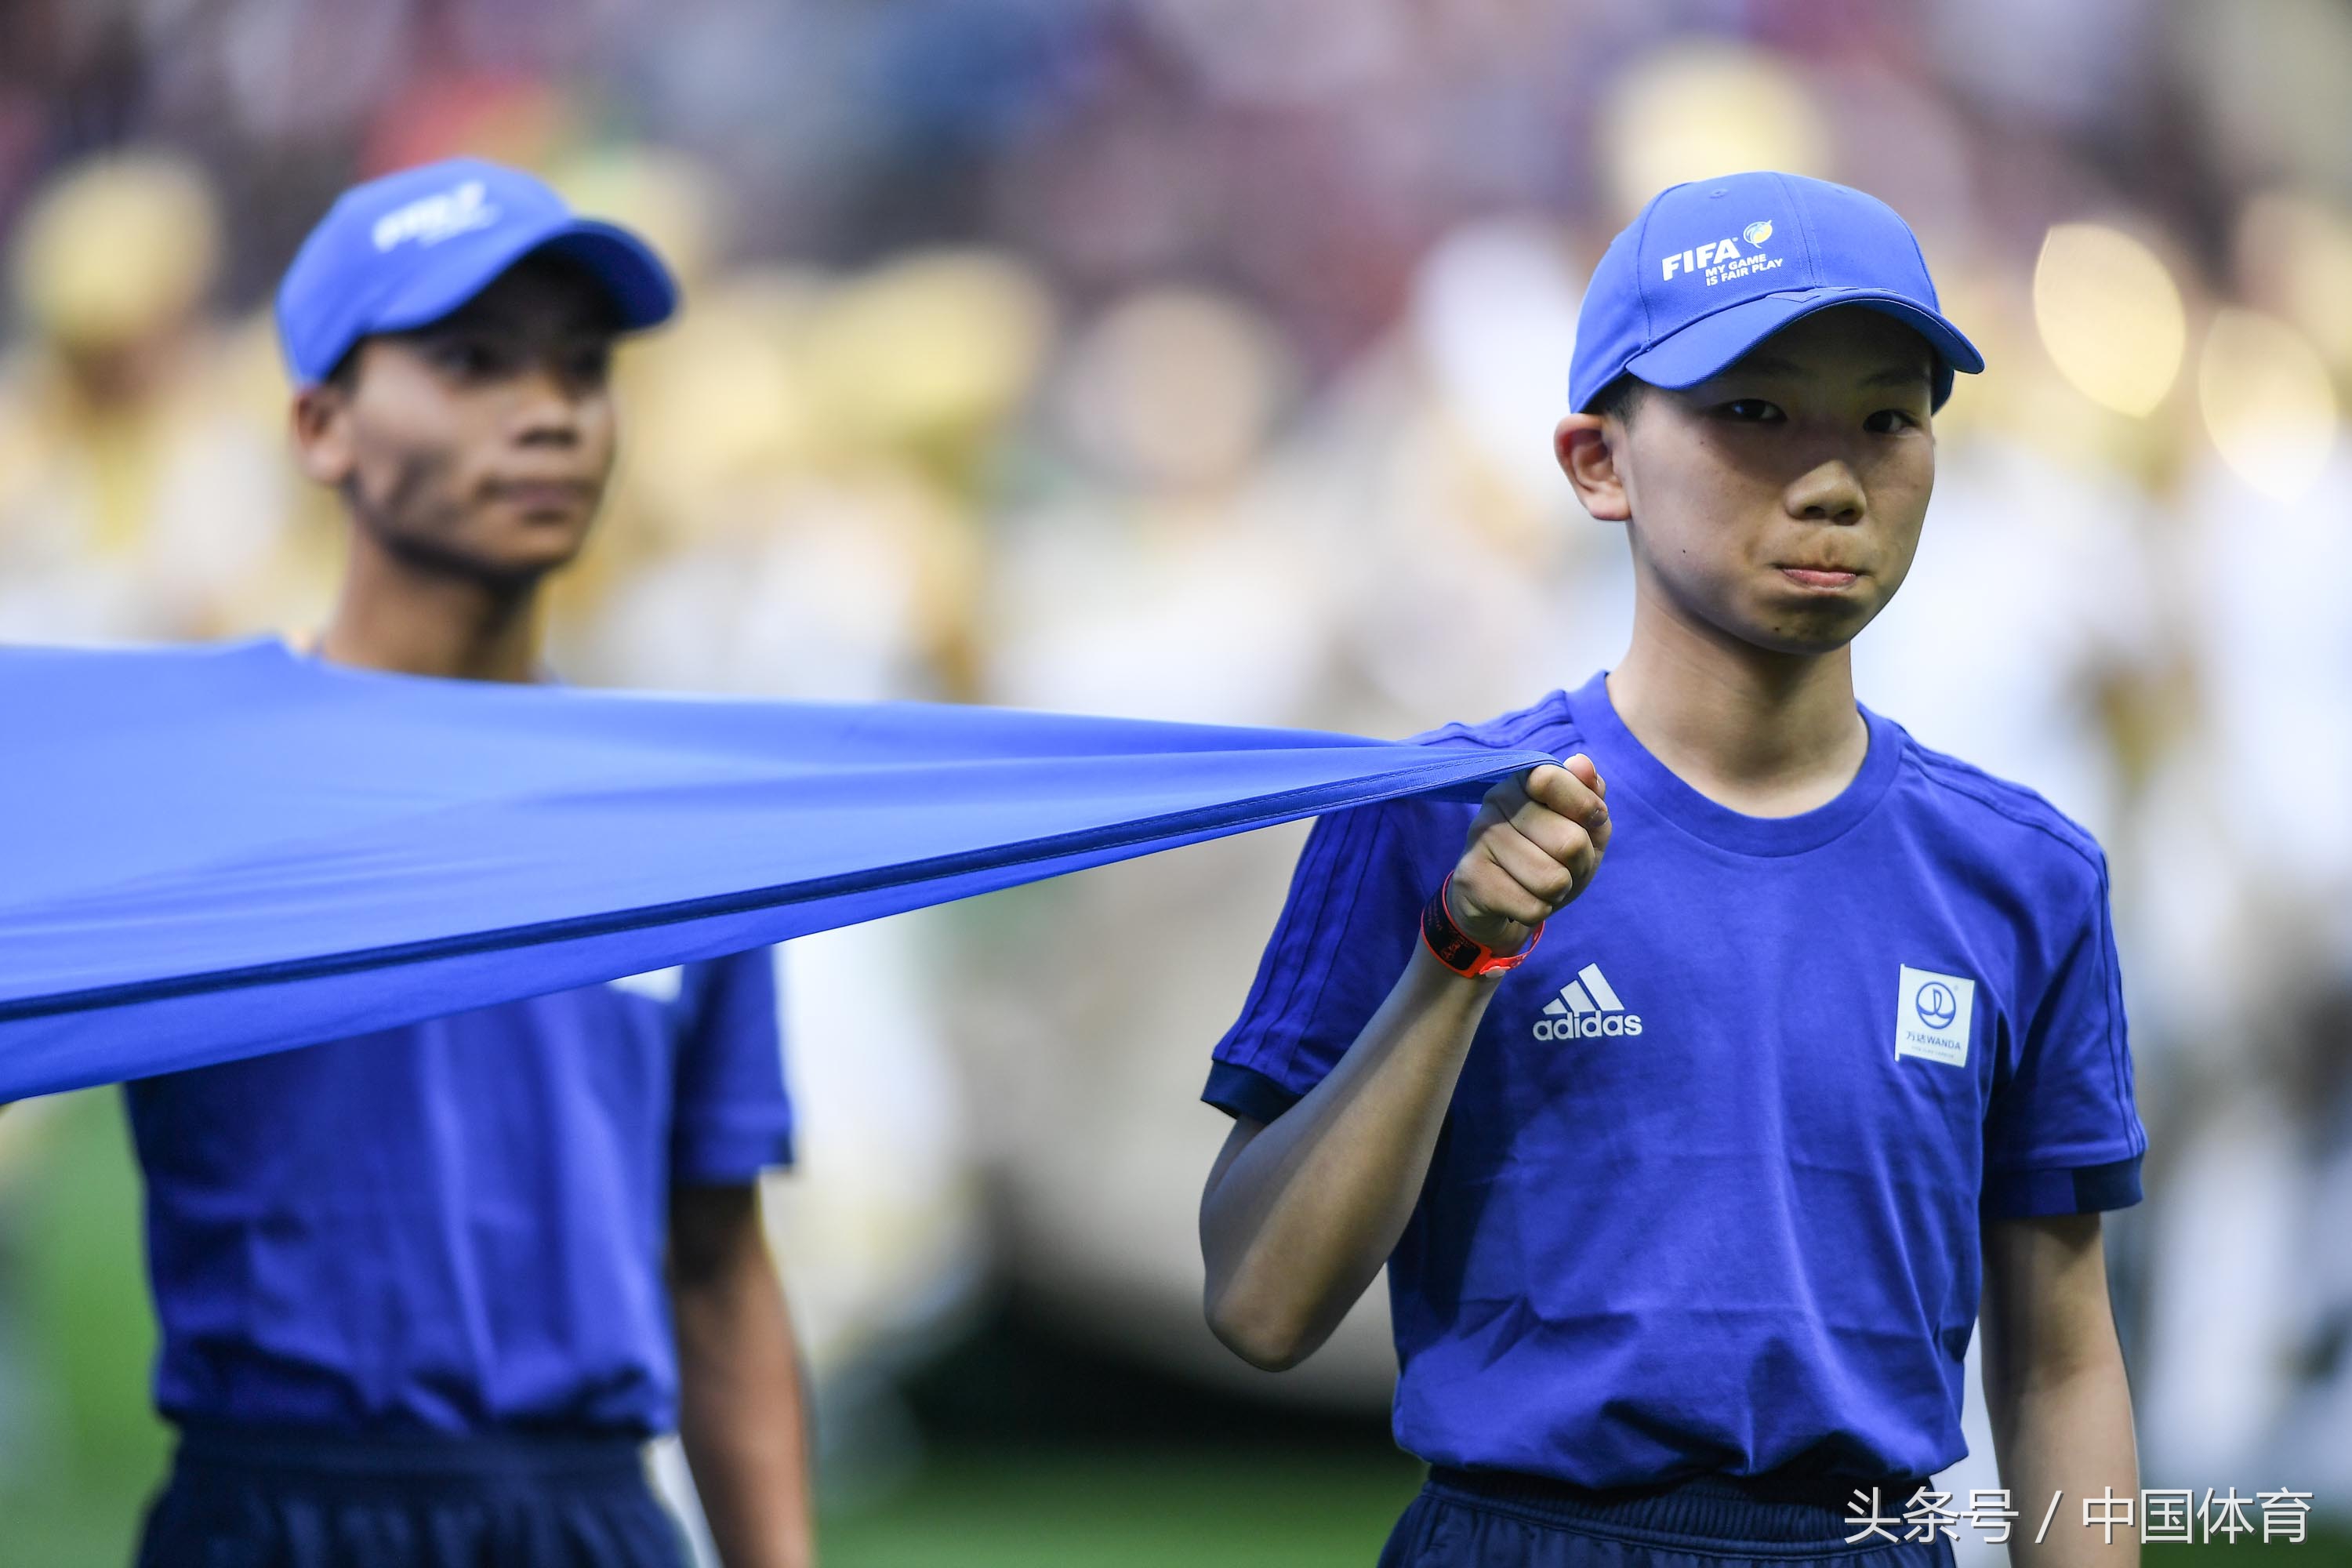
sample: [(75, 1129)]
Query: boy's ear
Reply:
[(323, 433), (1587, 448)]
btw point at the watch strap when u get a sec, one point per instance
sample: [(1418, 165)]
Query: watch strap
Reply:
[(1453, 948)]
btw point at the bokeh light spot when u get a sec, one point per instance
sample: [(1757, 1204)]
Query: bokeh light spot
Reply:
[(2267, 402), (1693, 111), (2109, 315), (2296, 250)]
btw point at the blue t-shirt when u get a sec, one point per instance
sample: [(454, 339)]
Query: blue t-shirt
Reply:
[(459, 1225), (1707, 1196)]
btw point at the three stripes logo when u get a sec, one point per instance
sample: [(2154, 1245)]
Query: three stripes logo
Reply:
[(1586, 1008)]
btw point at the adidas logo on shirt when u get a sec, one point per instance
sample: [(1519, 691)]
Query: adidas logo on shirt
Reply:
[(1586, 1008)]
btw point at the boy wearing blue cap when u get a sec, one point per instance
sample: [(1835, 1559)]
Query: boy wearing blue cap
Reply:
[(424, 1295), (1688, 1209)]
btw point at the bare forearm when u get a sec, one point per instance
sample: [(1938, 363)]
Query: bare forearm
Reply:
[(741, 1413), (2055, 1390), (2070, 1438), (1298, 1222), (1299, 1213)]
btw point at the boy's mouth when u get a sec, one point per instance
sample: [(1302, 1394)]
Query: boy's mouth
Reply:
[(1819, 576), (543, 497)]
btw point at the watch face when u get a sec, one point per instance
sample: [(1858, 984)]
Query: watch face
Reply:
[(1496, 963)]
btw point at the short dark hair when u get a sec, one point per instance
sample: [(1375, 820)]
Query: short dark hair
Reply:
[(346, 374), (1619, 398)]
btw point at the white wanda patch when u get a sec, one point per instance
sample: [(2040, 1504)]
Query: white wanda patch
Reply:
[(1933, 1014)]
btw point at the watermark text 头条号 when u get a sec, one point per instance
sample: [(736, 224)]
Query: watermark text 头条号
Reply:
[(2162, 1515)]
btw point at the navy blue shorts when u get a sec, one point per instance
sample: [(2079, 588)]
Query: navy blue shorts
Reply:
[(1473, 1519), (250, 1497)]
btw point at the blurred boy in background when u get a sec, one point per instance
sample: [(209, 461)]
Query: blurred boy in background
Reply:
[(424, 1295)]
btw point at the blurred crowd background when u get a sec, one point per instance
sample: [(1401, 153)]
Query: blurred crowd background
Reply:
[(1197, 359)]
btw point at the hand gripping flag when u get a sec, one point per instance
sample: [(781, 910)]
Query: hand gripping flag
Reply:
[(212, 853)]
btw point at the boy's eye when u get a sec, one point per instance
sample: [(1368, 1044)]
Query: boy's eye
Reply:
[(467, 358), (1890, 421), (591, 365), (1751, 411)]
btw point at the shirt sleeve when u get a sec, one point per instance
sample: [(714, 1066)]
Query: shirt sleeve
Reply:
[(1344, 934), (734, 1119), (2062, 1135)]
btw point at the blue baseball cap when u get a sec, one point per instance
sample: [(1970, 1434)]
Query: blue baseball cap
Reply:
[(1712, 268), (407, 248)]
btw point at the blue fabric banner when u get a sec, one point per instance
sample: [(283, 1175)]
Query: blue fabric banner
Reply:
[(212, 853)]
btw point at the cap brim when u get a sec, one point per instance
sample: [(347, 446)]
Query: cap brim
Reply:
[(1711, 344), (641, 288)]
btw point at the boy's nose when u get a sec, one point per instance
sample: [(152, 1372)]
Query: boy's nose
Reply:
[(1828, 493), (546, 407)]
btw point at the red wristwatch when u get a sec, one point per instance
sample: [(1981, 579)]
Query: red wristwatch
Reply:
[(1451, 947)]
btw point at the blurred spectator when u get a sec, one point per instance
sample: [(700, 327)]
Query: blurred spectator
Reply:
[(138, 498)]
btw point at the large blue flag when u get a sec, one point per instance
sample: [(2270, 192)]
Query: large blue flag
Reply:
[(212, 853)]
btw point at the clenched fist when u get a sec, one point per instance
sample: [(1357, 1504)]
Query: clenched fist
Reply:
[(1537, 840)]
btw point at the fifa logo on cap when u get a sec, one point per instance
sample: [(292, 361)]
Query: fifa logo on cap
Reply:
[(435, 218), (1721, 260)]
